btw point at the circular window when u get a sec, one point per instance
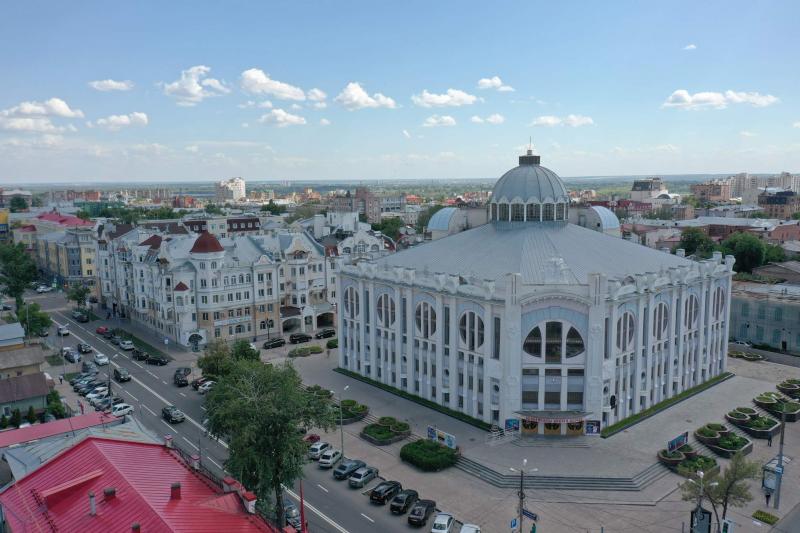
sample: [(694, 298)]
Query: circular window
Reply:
[(425, 318), (471, 329)]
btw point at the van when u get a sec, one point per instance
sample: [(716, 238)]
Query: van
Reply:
[(121, 374)]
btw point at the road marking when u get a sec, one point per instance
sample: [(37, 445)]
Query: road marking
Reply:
[(193, 445), (316, 511), (167, 424), (182, 394), (323, 488), (164, 382), (150, 410), (203, 408), (215, 463), (368, 518), (131, 395)]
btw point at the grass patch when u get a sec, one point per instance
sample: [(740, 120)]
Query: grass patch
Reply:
[(54, 360), (377, 431), (139, 343), (767, 518), (421, 401), (669, 402), (70, 375), (428, 455), (332, 343)]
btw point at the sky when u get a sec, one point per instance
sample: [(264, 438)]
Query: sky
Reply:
[(196, 91)]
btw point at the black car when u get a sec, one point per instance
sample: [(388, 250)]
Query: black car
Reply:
[(140, 355), (403, 501), (115, 340), (156, 360), (347, 467), (172, 414), (89, 366), (421, 511), (274, 343), (84, 348), (385, 491), (297, 338), (80, 377), (180, 378), (122, 374), (88, 387), (109, 334), (325, 333), (83, 381), (72, 357), (82, 318)]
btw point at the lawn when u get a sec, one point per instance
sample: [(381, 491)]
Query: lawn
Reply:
[(54, 360)]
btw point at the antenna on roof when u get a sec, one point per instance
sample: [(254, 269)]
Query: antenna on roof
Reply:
[(530, 145)]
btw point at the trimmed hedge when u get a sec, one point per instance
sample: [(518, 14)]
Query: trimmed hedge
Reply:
[(428, 455), (695, 464), (767, 518), (332, 343), (305, 351), (377, 431)]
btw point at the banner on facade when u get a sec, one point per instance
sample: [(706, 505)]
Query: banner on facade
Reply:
[(512, 424), (678, 442), (445, 439), (592, 427)]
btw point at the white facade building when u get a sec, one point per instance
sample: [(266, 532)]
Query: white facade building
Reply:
[(535, 321), (231, 190)]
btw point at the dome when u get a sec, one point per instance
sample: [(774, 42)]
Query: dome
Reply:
[(529, 193), (206, 243)]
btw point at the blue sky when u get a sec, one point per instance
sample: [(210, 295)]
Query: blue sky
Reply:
[(182, 90)]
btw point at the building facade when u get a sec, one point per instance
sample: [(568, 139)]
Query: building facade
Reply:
[(68, 257), (780, 204), (712, 191), (764, 314), (231, 190), (534, 321)]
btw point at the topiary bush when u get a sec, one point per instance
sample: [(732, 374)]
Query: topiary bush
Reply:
[(315, 349), (732, 442), (428, 455), (717, 427), (695, 464), (387, 421), (761, 422), (378, 431), (332, 343), (765, 517), (707, 432)]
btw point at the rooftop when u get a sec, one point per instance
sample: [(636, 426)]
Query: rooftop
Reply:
[(18, 388), (56, 427), (17, 357), (529, 182), (440, 221), (206, 243), (11, 331)]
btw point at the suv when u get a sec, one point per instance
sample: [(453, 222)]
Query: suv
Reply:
[(274, 343), (362, 476), (347, 467), (329, 458), (126, 345), (140, 355), (403, 501), (115, 339), (325, 333), (63, 331), (172, 414), (180, 377), (122, 409), (443, 523), (297, 338), (84, 348), (420, 512), (316, 450), (121, 374), (385, 491), (156, 360)]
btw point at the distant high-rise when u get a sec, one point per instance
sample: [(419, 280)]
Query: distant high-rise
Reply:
[(230, 190)]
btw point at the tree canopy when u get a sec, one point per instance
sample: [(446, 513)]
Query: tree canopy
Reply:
[(695, 242), (17, 271), (272, 208), (746, 248), (219, 358), (17, 204), (78, 294), (33, 319), (390, 227), (728, 489)]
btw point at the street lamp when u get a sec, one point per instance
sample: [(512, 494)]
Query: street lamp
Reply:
[(341, 417), (521, 492), (700, 476)]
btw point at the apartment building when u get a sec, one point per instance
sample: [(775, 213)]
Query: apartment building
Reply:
[(68, 256), (779, 204), (231, 190), (712, 191)]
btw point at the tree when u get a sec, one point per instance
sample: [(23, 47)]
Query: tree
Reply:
[(213, 209), (390, 227), (258, 408), (733, 489), (54, 405), (216, 361), (17, 271), (17, 204), (31, 416), (37, 201), (272, 208), (83, 214), (773, 253), (242, 351), (796, 216), (695, 241), (16, 418), (78, 294), (33, 319), (747, 249), (691, 490)]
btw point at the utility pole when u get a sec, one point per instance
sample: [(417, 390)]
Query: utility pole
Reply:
[(341, 418), (521, 492), (780, 459)]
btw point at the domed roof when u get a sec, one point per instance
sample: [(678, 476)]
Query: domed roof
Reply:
[(206, 243), (529, 181)]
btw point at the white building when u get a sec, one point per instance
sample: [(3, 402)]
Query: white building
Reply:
[(231, 190), (529, 318)]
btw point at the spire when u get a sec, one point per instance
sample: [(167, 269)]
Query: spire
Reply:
[(529, 158)]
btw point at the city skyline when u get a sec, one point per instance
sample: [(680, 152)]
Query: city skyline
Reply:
[(360, 94)]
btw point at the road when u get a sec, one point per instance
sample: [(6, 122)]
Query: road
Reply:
[(331, 506)]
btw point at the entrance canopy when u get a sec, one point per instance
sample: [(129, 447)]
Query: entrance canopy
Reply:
[(553, 417)]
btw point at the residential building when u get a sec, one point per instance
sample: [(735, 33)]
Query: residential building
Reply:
[(230, 190), (531, 320), (21, 361), (713, 191), (789, 271), (12, 336), (224, 226), (68, 257), (5, 228), (779, 204), (645, 190), (368, 204), (23, 392), (7, 194), (682, 211), (26, 235), (766, 314)]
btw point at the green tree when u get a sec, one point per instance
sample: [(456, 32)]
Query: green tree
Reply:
[(732, 489), (17, 271), (258, 408), (242, 351), (695, 489), (747, 249), (390, 227), (78, 293), (695, 241), (37, 201), (796, 216), (17, 204), (216, 360), (213, 209), (773, 253), (31, 416), (425, 216), (33, 319), (16, 418), (3, 422), (272, 208), (83, 214), (54, 405)]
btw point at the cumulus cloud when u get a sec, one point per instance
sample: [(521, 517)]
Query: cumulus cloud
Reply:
[(111, 85), (117, 122), (282, 118), (452, 98), (194, 86), (745, 133), (690, 47), (434, 121), (494, 83), (570, 120), (796, 124), (256, 81), (192, 148), (683, 99), (31, 124), (408, 135), (354, 97), (324, 122), (316, 95), (476, 119), (55, 107), (495, 118)]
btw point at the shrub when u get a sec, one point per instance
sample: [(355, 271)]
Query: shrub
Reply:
[(761, 422), (379, 432), (4, 422), (300, 352), (732, 442), (789, 407), (707, 432), (332, 343), (717, 427), (31, 416), (16, 418), (737, 415), (670, 455), (765, 517), (349, 404), (697, 463), (400, 427), (315, 349), (747, 410), (387, 421), (428, 455), (792, 381)]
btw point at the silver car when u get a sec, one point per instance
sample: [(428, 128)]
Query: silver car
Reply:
[(317, 449), (362, 476)]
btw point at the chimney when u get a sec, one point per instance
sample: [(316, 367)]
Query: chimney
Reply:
[(168, 441), (136, 528), (92, 505), (196, 461), (175, 491), (249, 501), (110, 493)]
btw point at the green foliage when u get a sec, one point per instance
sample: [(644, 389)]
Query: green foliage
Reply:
[(696, 464), (428, 455), (16, 418), (773, 253), (670, 455), (54, 405), (31, 416), (272, 208), (17, 271), (732, 442), (716, 427), (219, 358), (737, 415), (78, 293), (332, 343), (761, 422), (353, 409), (425, 216), (387, 421), (379, 432), (747, 410), (746, 248), (213, 209), (390, 227), (303, 351), (17, 204), (37, 201), (243, 351), (3, 422), (707, 432), (258, 408), (767, 518), (33, 319), (83, 214), (695, 242), (301, 212)]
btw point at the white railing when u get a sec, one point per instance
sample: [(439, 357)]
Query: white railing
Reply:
[(501, 436)]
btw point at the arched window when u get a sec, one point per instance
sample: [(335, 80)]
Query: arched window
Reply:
[(626, 327), (559, 211), (385, 309), (574, 343), (471, 329), (351, 302), (241, 278), (262, 324), (517, 212), (533, 342), (239, 328), (533, 212), (503, 212), (552, 345), (691, 311), (494, 211), (425, 317), (660, 321), (548, 212), (719, 303)]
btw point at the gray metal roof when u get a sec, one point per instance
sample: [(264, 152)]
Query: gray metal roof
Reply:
[(440, 221), (11, 331), (607, 217), (539, 252), (529, 183)]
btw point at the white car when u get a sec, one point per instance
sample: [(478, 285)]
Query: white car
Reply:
[(43, 288), (63, 331), (99, 398), (122, 409), (207, 386), (97, 392), (329, 458), (443, 523), (100, 359), (126, 345), (470, 528), (317, 449)]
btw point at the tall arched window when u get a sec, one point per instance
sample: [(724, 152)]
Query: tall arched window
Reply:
[(549, 212), (626, 327), (660, 321), (552, 342), (533, 212), (559, 211), (574, 344), (719, 303), (351, 302), (385, 310), (471, 329), (494, 211), (691, 310), (533, 342), (503, 212), (425, 318), (517, 212)]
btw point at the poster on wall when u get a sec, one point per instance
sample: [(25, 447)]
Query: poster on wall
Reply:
[(512, 424), (678, 441), (445, 439), (592, 427)]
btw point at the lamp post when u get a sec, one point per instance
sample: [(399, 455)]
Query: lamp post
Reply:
[(700, 476), (521, 492), (341, 417), (780, 459)]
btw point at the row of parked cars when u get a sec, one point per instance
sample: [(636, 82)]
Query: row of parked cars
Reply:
[(299, 338), (98, 394), (401, 501)]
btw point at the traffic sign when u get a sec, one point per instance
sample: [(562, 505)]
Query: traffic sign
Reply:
[(530, 514), (513, 524), (779, 469)]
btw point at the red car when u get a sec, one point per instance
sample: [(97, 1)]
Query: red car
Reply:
[(101, 330), (311, 438)]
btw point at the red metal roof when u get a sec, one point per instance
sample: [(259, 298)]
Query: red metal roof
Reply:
[(55, 496), (206, 243), (64, 220), (181, 286), (154, 242), (56, 427)]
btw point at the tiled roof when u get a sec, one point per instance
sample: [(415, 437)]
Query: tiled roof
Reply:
[(64, 220), (206, 243), (23, 356), (54, 497), (181, 286), (19, 388), (154, 242), (56, 427)]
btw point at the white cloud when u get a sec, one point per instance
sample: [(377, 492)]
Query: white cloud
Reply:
[(452, 98), (476, 119), (578, 120), (55, 107), (31, 124), (111, 85), (194, 86), (296, 107), (439, 120), (796, 124), (745, 133), (682, 99), (282, 118), (193, 148), (256, 81), (690, 47), (494, 83), (150, 148), (266, 104), (546, 120), (354, 97), (117, 122), (324, 122), (316, 95), (320, 105), (570, 120), (408, 135), (495, 118)]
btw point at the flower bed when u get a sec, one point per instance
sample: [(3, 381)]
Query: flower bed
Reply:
[(722, 429), (763, 516), (705, 464), (382, 434), (761, 427), (706, 435), (353, 411), (729, 445), (752, 357), (688, 451), (737, 418), (671, 459), (319, 391), (790, 387), (428, 455), (789, 409)]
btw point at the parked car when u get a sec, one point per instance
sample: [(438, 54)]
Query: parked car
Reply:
[(126, 345), (274, 343), (346, 468), (100, 359), (98, 397), (297, 338), (385, 491), (82, 382), (172, 414), (122, 409), (311, 438), (43, 332), (329, 458), (82, 318), (317, 449), (89, 366), (43, 288), (121, 374), (180, 378), (7, 307), (108, 335), (443, 523), (156, 359), (115, 340), (101, 330), (65, 350), (362, 476), (207, 386), (325, 333), (470, 528), (139, 355), (403, 501), (77, 313), (292, 515), (107, 403), (72, 357), (86, 391), (420, 512), (196, 383), (63, 331), (84, 348), (82, 375)]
